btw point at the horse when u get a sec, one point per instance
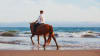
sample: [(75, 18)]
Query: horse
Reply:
[(45, 30)]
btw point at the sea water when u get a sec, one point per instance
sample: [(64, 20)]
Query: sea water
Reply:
[(56, 29), (68, 38)]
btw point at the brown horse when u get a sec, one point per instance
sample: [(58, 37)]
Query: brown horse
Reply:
[(45, 30)]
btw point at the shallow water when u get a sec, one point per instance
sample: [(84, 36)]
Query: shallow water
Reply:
[(68, 38), (65, 43)]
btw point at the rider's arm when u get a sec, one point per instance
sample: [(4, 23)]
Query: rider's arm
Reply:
[(36, 21)]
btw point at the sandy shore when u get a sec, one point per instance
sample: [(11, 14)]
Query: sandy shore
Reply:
[(50, 53)]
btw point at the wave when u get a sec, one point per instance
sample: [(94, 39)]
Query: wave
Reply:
[(86, 34), (83, 34), (73, 32)]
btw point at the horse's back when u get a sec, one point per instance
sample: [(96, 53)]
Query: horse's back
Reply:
[(44, 28), (41, 29), (43, 25)]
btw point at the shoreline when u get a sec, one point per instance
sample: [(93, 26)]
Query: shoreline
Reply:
[(50, 53), (24, 43)]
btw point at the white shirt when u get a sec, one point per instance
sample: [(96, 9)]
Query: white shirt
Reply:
[(40, 19)]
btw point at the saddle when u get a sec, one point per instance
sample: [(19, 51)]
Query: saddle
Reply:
[(36, 25)]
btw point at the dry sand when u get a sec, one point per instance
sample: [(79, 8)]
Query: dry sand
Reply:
[(50, 53)]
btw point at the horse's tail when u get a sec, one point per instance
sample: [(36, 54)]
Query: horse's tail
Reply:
[(51, 34), (50, 29)]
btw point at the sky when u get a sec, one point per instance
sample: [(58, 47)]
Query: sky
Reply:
[(60, 13)]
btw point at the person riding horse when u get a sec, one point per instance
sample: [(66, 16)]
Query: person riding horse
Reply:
[(39, 28), (39, 21)]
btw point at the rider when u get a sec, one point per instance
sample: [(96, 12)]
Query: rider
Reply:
[(39, 21)]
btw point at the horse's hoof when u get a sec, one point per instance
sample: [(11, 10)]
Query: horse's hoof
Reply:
[(39, 45), (58, 47)]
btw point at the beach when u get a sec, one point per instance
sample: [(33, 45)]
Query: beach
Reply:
[(22, 46), (72, 42), (49, 27), (50, 53)]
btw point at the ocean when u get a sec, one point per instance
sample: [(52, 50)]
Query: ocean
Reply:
[(61, 31), (68, 38), (56, 29)]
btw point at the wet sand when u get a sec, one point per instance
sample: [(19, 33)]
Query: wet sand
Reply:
[(49, 53)]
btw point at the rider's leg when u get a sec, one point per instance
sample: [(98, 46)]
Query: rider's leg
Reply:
[(35, 26)]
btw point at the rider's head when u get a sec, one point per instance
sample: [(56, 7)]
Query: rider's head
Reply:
[(41, 11)]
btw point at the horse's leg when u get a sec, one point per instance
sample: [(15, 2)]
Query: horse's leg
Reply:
[(55, 42), (32, 31), (31, 39), (38, 39), (44, 41), (49, 40)]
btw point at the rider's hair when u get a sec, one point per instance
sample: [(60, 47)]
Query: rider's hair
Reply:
[(41, 11)]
